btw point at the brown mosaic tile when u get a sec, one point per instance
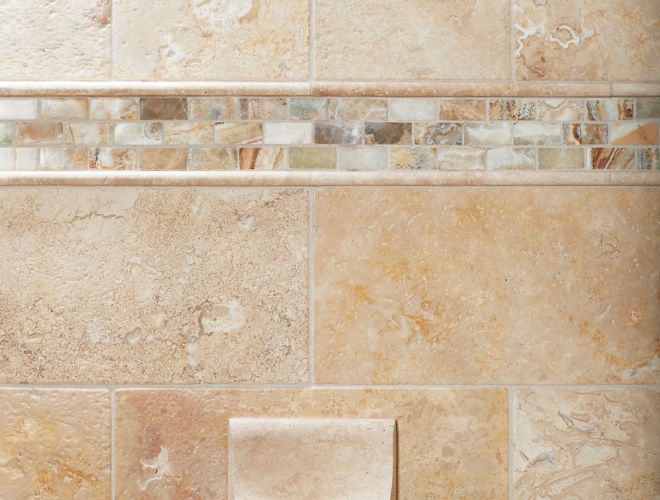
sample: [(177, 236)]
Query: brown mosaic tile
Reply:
[(310, 158), (238, 133), (213, 159), (184, 133), (560, 158), (55, 443), (163, 158), (426, 311), (649, 159), (451, 443), (610, 109), (64, 109), (585, 133), (264, 108), (362, 109), (265, 158), (63, 158), (361, 158), (511, 159), (163, 108), (612, 158), (213, 108), (586, 443), (88, 133), (387, 133), (114, 108), (632, 133), (445, 133), (38, 133), (113, 159), (337, 133), (415, 158), (648, 109), (462, 109), (512, 109)]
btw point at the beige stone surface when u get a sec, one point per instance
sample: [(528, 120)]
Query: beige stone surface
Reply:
[(62, 40), (382, 39), (320, 458), (586, 39), (200, 40), (487, 285), (586, 443), (54, 444), (140, 285), (172, 444)]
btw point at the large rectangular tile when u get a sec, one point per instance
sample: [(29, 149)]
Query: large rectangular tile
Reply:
[(586, 443), (54, 444), (61, 40), (383, 39), (487, 285), (246, 40), (153, 285), (451, 443), (586, 40)]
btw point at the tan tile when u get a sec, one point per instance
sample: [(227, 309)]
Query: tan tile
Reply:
[(114, 108), (462, 109), (338, 133), (28, 133), (377, 39), (266, 158), (498, 285), (512, 109), (63, 40), (559, 110), (632, 133), (163, 159), (288, 133), (446, 133), (586, 133), (415, 158), (610, 109), (320, 458), (308, 108), (488, 134), (188, 132), (18, 109), (527, 133), (648, 109), (451, 443), (560, 40), (312, 157), (212, 159), (113, 159), (362, 158), (387, 133), (164, 108), (264, 108), (238, 133), (55, 443), (511, 159), (586, 443), (460, 158), (245, 40), (88, 133), (561, 158), (63, 158), (164, 296), (362, 109), (64, 109), (213, 108), (612, 158)]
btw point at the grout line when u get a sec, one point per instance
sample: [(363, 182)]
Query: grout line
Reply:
[(310, 281), (113, 461), (511, 399)]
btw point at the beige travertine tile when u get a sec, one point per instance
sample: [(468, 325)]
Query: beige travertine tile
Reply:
[(63, 158), (527, 133), (462, 109), (458, 158), (451, 443), (585, 133), (163, 108), (62, 40), (512, 109), (212, 159), (309, 108), (19, 109), (114, 108), (417, 109), (144, 285), (488, 134), (64, 109), (54, 444), (511, 159), (238, 133), (246, 40), (414, 158), (19, 158), (612, 158), (362, 158), (610, 109), (388, 133), (379, 39), (352, 109), (186, 132), (648, 109), (113, 159), (312, 157), (264, 108), (338, 133), (560, 158), (586, 40), (586, 443), (213, 108), (649, 159), (288, 132), (88, 133), (486, 285), (560, 110), (163, 158), (430, 134), (139, 133), (320, 458), (37, 132)]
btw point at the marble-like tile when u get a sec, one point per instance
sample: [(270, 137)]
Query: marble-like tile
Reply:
[(113, 159), (586, 133), (19, 109), (540, 133), (488, 134), (486, 285), (288, 133), (245, 40), (63, 158), (635, 133), (338, 133), (649, 159), (139, 133), (55, 444), (212, 159), (612, 158), (19, 158), (264, 108), (160, 293), (462, 109), (378, 39), (311, 158), (414, 158), (163, 158), (560, 110), (586, 40), (458, 158), (362, 109), (586, 443), (648, 109), (415, 109), (319, 458), (265, 158), (561, 158), (310, 108), (213, 108), (445, 133), (188, 132), (37, 132), (511, 159), (62, 40), (387, 133), (451, 443), (362, 158), (114, 108), (64, 109), (512, 109), (88, 133), (610, 109), (238, 133)]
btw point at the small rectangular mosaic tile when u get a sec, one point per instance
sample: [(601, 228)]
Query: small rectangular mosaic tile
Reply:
[(342, 133)]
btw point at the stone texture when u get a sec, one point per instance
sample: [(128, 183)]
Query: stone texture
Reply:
[(188, 133), (29, 133), (19, 109), (610, 109), (378, 39), (586, 133), (387, 133), (511, 159), (362, 158), (164, 108), (63, 158), (337, 133), (320, 458), (246, 40), (488, 134), (312, 157), (288, 133), (62, 40), (238, 133), (612, 158), (560, 158), (451, 443), (88, 133), (586, 443), (54, 444), (19, 158), (144, 285), (418, 109), (213, 108), (445, 133), (456, 158), (212, 159), (586, 40), (649, 159), (163, 158), (113, 159), (560, 110), (537, 133), (365, 109), (114, 108), (648, 109), (462, 109), (415, 158), (266, 158), (6, 134), (512, 109), (64, 109), (139, 133), (264, 108), (634, 133), (306, 108), (486, 285)]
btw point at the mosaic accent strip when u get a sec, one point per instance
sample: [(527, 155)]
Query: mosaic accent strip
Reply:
[(309, 133)]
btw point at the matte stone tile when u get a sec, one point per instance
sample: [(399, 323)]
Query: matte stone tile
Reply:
[(648, 109), (62, 40), (265, 158), (561, 158), (612, 158), (634, 133), (246, 40), (415, 109), (415, 158), (459, 158), (488, 134), (29, 133), (144, 285), (610, 109), (451, 443), (586, 443), (560, 110), (113, 159), (511, 159), (63, 158), (19, 158), (387, 133), (114, 108), (163, 158), (18, 109), (445, 133), (362, 158), (88, 133), (164, 108), (649, 159), (378, 39), (307, 108), (213, 159), (188, 133), (462, 109), (486, 285), (338, 133), (586, 133), (64, 109), (312, 157), (529, 133), (288, 133), (55, 443), (264, 108), (139, 133), (563, 40), (213, 108), (362, 109), (238, 133), (512, 109)]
